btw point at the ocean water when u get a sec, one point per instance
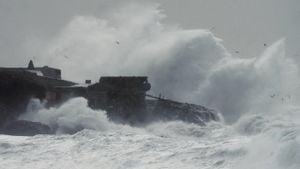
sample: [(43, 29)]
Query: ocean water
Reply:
[(257, 97), (254, 141)]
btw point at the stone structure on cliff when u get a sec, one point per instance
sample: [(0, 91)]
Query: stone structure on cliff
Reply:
[(123, 98)]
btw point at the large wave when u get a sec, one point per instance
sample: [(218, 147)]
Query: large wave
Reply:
[(185, 65), (258, 95)]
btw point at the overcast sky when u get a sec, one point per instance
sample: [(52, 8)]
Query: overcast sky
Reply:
[(244, 25)]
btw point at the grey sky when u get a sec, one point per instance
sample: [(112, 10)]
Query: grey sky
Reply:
[(244, 25)]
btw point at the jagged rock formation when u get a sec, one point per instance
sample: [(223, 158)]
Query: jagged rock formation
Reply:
[(123, 98), (168, 110)]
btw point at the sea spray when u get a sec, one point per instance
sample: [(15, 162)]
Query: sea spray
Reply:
[(71, 117), (177, 61), (184, 65), (257, 96), (275, 139)]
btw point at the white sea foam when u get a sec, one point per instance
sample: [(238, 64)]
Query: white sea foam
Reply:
[(72, 116), (257, 96)]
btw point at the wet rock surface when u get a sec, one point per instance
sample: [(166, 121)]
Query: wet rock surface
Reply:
[(169, 110), (25, 128), (123, 98)]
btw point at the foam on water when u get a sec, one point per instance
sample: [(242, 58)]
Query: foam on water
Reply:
[(72, 116), (257, 97)]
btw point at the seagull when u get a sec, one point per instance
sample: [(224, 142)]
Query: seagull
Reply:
[(117, 42)]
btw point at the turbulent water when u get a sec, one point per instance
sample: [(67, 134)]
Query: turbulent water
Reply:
[(258, 98)]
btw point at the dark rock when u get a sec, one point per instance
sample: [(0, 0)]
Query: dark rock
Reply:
[(123, 98), (25, 128), (169, 110)]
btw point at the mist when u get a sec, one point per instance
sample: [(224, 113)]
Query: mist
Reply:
[(102, 38), (245, 26), (236, 57)]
